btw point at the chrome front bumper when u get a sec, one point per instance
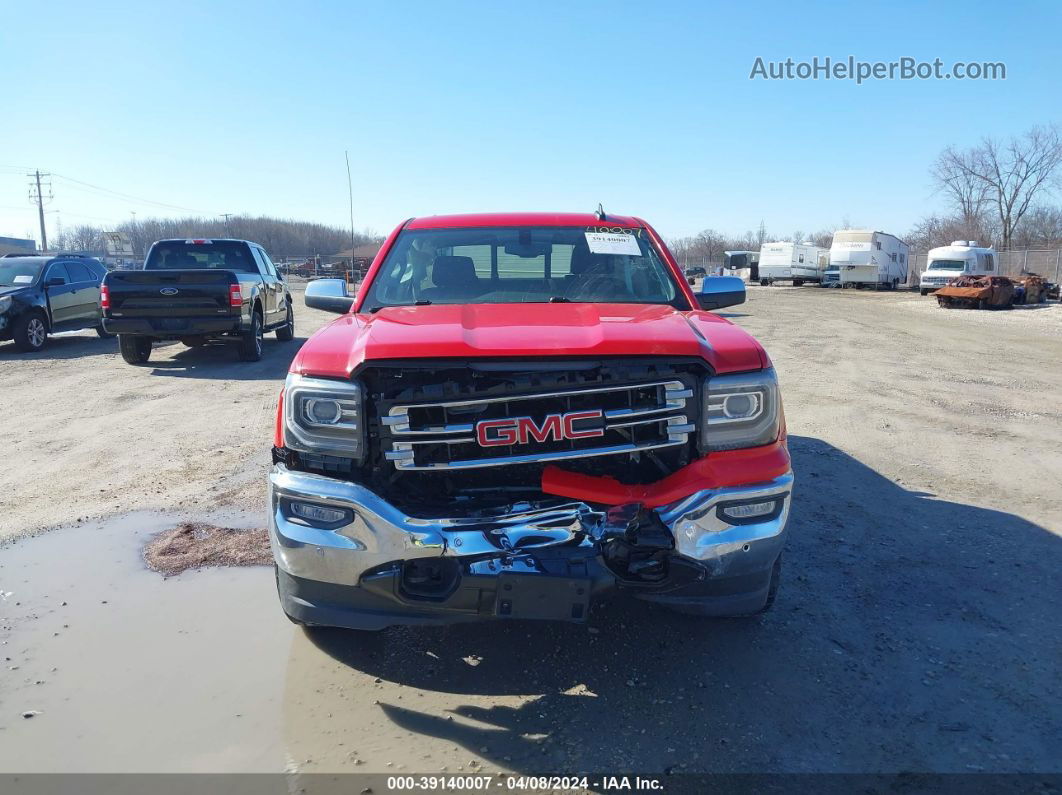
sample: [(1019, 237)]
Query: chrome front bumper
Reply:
[(379, 533)]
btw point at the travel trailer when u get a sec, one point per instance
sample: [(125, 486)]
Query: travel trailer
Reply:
[(865, 258), (796, 262), (745, 264), (962, 257)]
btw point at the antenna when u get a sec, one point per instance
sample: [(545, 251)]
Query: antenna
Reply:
[(350, 193), (600, 212)]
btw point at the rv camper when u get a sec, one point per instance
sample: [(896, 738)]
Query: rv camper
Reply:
[(795, 262), (865, 258), (745, 264), (961, 258)]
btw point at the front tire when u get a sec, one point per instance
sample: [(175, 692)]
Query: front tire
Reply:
[(30, 332), (286, 333), (135, 349), (251, 342)]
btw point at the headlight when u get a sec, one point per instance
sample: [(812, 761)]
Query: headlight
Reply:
[(324, 416), (740, 410), (5, 304)]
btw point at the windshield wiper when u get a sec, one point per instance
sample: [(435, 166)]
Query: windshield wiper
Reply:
[(559, 299), (418, 302)]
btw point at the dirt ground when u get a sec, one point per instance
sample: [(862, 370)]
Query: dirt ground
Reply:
[(917, 627)]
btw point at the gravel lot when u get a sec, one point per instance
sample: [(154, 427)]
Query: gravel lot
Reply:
[(917, 627)]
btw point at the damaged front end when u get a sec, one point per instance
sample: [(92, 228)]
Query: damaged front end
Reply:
[(348, 557)]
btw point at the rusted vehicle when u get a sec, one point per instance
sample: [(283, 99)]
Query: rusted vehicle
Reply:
[(977, 292), (1030, 289)]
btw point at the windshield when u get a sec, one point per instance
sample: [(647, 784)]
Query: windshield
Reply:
[(947, 265), (15, 272), (227, 255), (523, 265)]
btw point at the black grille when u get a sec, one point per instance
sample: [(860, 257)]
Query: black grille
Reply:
[(426, 419)]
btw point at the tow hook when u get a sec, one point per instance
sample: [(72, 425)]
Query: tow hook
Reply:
[(635, 544)]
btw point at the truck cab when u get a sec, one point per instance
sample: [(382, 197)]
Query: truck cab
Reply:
[(961, 258)]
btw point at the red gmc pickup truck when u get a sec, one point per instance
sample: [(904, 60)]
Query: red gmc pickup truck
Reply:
[(517, 414)]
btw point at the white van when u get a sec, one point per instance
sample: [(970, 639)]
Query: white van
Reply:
[(796, 262), (961, 257), (867, 258)]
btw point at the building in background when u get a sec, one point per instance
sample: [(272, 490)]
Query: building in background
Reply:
[(17, 245), (358, 259)]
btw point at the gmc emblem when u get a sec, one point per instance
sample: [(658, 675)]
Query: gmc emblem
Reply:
[(523, 430)]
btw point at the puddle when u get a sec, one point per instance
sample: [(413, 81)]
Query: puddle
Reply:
[(132, 672)]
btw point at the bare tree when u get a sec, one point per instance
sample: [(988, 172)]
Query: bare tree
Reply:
[(281, 237), (1040, 228), (954, 175), (823, 238), (708, 246), (1015, 173)]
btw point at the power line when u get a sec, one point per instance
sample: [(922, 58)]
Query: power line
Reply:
[(130, 197)]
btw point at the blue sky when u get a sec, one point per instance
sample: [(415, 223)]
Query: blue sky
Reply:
[(455, 106)]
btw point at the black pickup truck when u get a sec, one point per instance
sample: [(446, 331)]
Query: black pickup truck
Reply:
[(198, 291)]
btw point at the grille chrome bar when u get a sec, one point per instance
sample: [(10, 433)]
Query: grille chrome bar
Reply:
[(675, 395), (678, 430), (634, 418)]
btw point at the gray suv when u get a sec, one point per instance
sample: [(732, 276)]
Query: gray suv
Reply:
[(40, 295)]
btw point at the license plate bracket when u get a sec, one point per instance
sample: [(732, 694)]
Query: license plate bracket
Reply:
[(542, 596)]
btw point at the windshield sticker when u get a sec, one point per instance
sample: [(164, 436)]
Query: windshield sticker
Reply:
[(23, 278), (611, 243)]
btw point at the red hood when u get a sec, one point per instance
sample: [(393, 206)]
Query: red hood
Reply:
[(466, 331)]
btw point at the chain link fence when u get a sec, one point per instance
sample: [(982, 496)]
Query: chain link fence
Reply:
[(1044, 262)]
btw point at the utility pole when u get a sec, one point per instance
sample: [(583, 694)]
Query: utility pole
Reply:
[(135, 235), (226, 216), (38, 195)]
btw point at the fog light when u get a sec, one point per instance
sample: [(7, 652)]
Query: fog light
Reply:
[(322, 514), (741, 512), (323, 411)]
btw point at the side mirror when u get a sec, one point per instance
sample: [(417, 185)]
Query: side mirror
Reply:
[(55, 281), (721, 291), (329, 295)]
